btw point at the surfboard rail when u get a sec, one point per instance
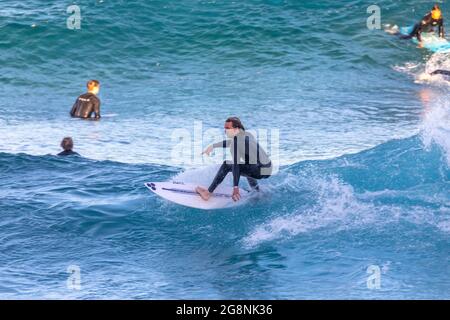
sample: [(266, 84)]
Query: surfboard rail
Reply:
[(185, 194)]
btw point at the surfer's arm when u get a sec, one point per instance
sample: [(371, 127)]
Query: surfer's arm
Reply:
[(441, 29), (417, 32), (426, 20), (222, 144), (235, 166), (74, 107), (97, 109)]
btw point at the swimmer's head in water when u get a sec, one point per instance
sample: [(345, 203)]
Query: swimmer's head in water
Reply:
[(436, 13), (93, 86), (233, 126), (67, 144)]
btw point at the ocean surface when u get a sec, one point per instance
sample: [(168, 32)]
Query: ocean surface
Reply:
[(360, 205)]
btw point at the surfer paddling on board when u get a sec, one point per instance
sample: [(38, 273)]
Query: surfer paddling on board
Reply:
[(432, 19), (249, 160), (88, 103)]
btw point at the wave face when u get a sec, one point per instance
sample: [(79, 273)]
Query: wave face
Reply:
[(317, 221), (365, 181)]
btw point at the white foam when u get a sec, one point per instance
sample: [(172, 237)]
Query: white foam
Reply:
[(337, 205), (435, 126), (339, 208), (437, 61), (421, 71), (444, 226)]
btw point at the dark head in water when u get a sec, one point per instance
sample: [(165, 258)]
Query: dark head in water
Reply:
[(67, 145), (233, 126), (93, 86)]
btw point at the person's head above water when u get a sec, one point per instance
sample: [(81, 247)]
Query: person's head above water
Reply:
[(436, 13), (233, 126), (67, 144), (93, 86)]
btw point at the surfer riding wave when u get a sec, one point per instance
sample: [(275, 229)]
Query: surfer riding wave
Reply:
[(249, 160)]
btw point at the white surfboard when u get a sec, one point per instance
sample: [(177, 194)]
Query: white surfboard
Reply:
[(185, 194)]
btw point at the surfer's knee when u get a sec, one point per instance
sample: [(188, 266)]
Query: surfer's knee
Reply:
[(226, 166), (253, 183)]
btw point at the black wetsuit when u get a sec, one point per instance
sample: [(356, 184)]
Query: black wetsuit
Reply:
[(249, 160), (443, 72), (68, 153), (426, 23), (85, 106)]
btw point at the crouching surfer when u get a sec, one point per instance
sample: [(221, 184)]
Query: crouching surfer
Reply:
[(248, 159), (432, 19)]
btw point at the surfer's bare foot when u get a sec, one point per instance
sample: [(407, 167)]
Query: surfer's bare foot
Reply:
[(204, 193)]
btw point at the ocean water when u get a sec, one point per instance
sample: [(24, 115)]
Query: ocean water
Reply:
[(363, 149)]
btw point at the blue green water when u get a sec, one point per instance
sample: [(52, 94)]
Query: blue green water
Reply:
[(364, 151)]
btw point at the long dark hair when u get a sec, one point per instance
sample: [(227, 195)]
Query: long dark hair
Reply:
[(236, 122)]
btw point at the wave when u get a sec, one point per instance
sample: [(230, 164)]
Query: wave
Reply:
[(401, 181), (328, 86), (435, 126)]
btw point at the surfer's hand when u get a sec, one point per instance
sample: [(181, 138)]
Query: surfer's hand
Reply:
[(420, 45), (208, 150), (236, 195)]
